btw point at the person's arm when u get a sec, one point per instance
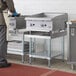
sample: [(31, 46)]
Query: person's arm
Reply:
[(10, 6)]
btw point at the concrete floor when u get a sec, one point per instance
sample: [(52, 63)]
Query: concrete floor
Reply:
[(56, 64)]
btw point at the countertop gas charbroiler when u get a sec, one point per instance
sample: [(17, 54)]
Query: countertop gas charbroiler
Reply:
[(16, 23), (45, 26), (55, 23), (16, 43)]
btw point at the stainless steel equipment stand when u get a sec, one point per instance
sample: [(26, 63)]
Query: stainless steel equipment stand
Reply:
[(48, 26), (48, 55), (36, 56), (20, 48)]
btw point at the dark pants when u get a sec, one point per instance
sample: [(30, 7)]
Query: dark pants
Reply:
[(3, 43), (3, 47)]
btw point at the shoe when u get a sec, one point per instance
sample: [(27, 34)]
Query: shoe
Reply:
[(4, 63)]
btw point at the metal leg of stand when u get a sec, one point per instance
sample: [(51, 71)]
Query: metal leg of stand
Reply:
[(63, 48), (30, 60), (49, 52), (49, 63), (34, 47), (34, 44), (72, 66), (23, 56), (30, 50)]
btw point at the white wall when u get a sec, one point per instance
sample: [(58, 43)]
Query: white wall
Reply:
[(26, 7), (36, 6)]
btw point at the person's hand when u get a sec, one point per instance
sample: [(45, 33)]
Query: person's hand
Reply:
[(15, 14)]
